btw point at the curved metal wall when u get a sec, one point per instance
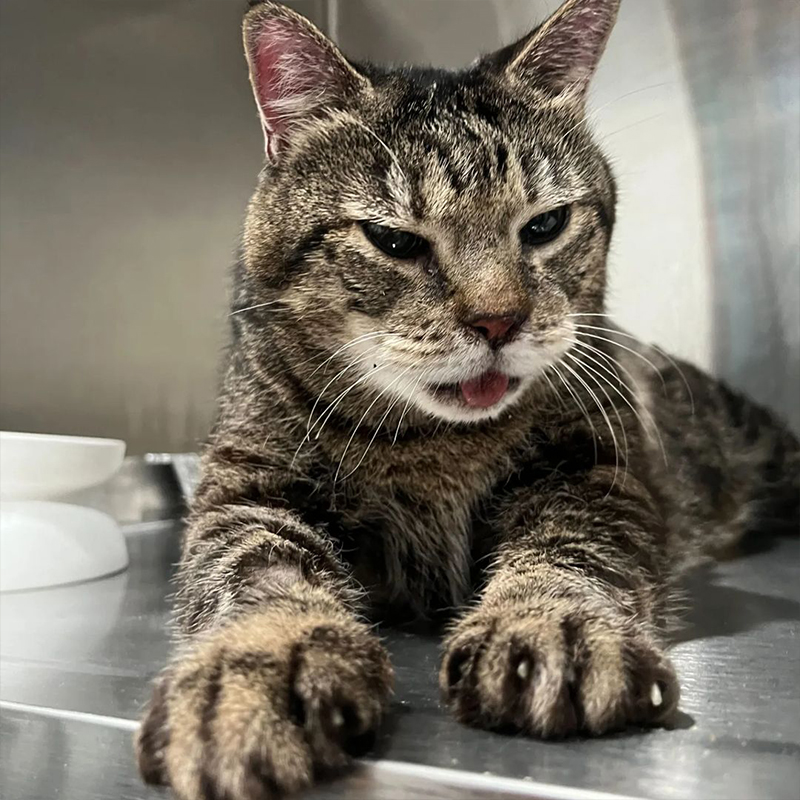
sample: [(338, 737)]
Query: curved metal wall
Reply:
[(741, 61)]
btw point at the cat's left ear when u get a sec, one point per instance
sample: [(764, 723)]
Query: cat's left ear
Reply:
[(561, 55), (297, 73)]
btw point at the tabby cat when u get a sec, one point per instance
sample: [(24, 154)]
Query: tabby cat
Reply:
[(425, 408)]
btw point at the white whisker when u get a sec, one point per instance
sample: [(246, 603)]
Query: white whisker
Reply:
[(592, 116), (581, 406), (386, 147), (630, 350), (378, 426), (251, 308), (328, 412), (365, 337), (406, 406), (594, 372), (336, 377), (331, 408), (651, 118), (605, 417), (663, 353), (358, 425), (555, 391), (643, 407)]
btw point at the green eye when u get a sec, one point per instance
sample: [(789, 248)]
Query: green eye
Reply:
[(395, 243), (545, 227)]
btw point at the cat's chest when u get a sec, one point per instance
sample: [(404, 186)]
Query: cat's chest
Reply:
[(409, 486), (407, 523)]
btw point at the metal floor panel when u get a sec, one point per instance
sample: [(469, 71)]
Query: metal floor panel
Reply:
[(91, 649)]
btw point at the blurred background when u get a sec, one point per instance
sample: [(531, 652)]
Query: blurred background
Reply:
[(129, 145)]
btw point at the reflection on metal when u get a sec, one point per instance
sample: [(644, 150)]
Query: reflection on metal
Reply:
[(144, 490), (742, 64)]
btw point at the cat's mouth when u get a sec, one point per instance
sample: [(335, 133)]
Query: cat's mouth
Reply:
[(483, 392)]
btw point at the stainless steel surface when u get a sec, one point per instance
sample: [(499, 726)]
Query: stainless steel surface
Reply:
[(93, 759), (187, 471), (742, 66), (91, 650), (144, 490), (43, 758)]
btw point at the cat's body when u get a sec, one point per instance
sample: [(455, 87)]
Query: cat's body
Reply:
[(414, 423), (418, 515)]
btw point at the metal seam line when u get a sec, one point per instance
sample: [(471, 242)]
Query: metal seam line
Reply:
[(381, 769)]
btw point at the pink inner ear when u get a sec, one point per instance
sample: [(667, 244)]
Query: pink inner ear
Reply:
[(291, 74), (583, 37), (568, 52)]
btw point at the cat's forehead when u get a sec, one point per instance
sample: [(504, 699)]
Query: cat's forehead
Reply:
[(466, 147)]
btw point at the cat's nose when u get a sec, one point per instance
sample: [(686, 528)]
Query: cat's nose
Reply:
[(497, 330)]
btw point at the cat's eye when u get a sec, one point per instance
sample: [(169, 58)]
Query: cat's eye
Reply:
[(393, 242), (545, 227)]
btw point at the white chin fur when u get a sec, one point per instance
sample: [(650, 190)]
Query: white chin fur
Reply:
[(459, 412), (522, 359)]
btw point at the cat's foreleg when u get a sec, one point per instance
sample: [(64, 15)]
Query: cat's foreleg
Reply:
[(566, 635), (275, 679)]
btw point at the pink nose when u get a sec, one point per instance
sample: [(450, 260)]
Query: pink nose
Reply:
[(497, 330)]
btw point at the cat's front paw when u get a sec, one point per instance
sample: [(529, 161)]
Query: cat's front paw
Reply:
[(263, 706), (553, 668)]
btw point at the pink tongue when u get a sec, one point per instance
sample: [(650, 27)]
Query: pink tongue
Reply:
[(485, 390)]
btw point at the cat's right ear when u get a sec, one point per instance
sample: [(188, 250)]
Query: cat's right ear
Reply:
[(296, 72)]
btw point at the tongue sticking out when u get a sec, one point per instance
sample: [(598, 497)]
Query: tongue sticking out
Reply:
[(486, 390)]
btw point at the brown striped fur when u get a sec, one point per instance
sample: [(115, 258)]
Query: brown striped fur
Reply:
[(339, 482)]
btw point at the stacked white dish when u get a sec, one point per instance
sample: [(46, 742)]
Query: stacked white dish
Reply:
[(48, 543)]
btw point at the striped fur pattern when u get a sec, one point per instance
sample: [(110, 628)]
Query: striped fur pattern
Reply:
[(346, 476)]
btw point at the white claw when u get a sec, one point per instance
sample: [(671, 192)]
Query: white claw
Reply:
[(524, 669), (655, 695), (337, 718)]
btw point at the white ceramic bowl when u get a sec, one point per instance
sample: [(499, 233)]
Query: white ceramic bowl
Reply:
[(41, 467), (48, 544)]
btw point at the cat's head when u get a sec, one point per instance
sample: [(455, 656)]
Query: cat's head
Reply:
[(433, 233)]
